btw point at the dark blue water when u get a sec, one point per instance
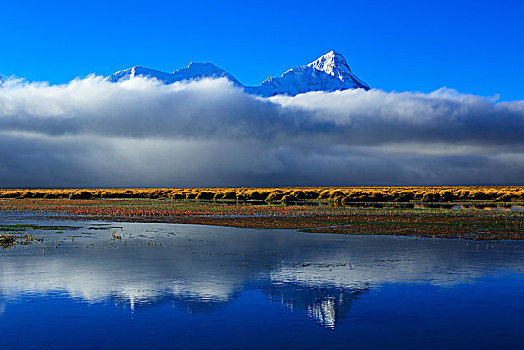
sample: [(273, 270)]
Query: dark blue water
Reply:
[(191, 287)]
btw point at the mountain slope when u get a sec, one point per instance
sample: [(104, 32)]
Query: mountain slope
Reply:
[(329, 72)]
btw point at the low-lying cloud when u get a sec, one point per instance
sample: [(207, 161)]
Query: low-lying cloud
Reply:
[(210, 133)]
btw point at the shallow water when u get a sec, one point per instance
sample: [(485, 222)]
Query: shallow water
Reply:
[(133, 285)]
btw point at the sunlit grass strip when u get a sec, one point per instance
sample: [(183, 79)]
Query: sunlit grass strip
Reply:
[(287, 194)]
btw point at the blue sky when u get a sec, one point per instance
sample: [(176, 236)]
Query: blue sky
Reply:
[(475, 47)]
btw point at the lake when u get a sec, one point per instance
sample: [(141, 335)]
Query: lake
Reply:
[(94, 284)]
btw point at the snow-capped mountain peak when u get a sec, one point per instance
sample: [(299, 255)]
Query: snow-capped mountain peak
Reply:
[(331, 63), (334, 64), (329, 72)]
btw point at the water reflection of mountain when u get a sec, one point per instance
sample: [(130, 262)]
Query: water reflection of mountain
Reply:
[(327, 305), (2, 305)]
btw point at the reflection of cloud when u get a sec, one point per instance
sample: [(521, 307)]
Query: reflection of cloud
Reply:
[(96, 283), (212, 291), (93, 133), (435, 268)]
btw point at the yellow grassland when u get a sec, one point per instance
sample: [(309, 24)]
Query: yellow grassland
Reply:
[(289, 194)]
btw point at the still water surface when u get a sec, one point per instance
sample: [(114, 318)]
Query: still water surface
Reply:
[(144, 286)]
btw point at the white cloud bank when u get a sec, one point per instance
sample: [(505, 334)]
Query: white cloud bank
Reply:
[(209, 133)]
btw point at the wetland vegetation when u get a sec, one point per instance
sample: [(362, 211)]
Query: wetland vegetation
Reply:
[(484, 213)]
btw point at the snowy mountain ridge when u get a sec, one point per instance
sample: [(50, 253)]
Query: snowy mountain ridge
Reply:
[(329, 72), (194, 71)]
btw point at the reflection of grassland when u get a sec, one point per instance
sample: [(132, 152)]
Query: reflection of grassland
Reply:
[(11, 235), (289, 194), (8, 240), (25, 227)]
